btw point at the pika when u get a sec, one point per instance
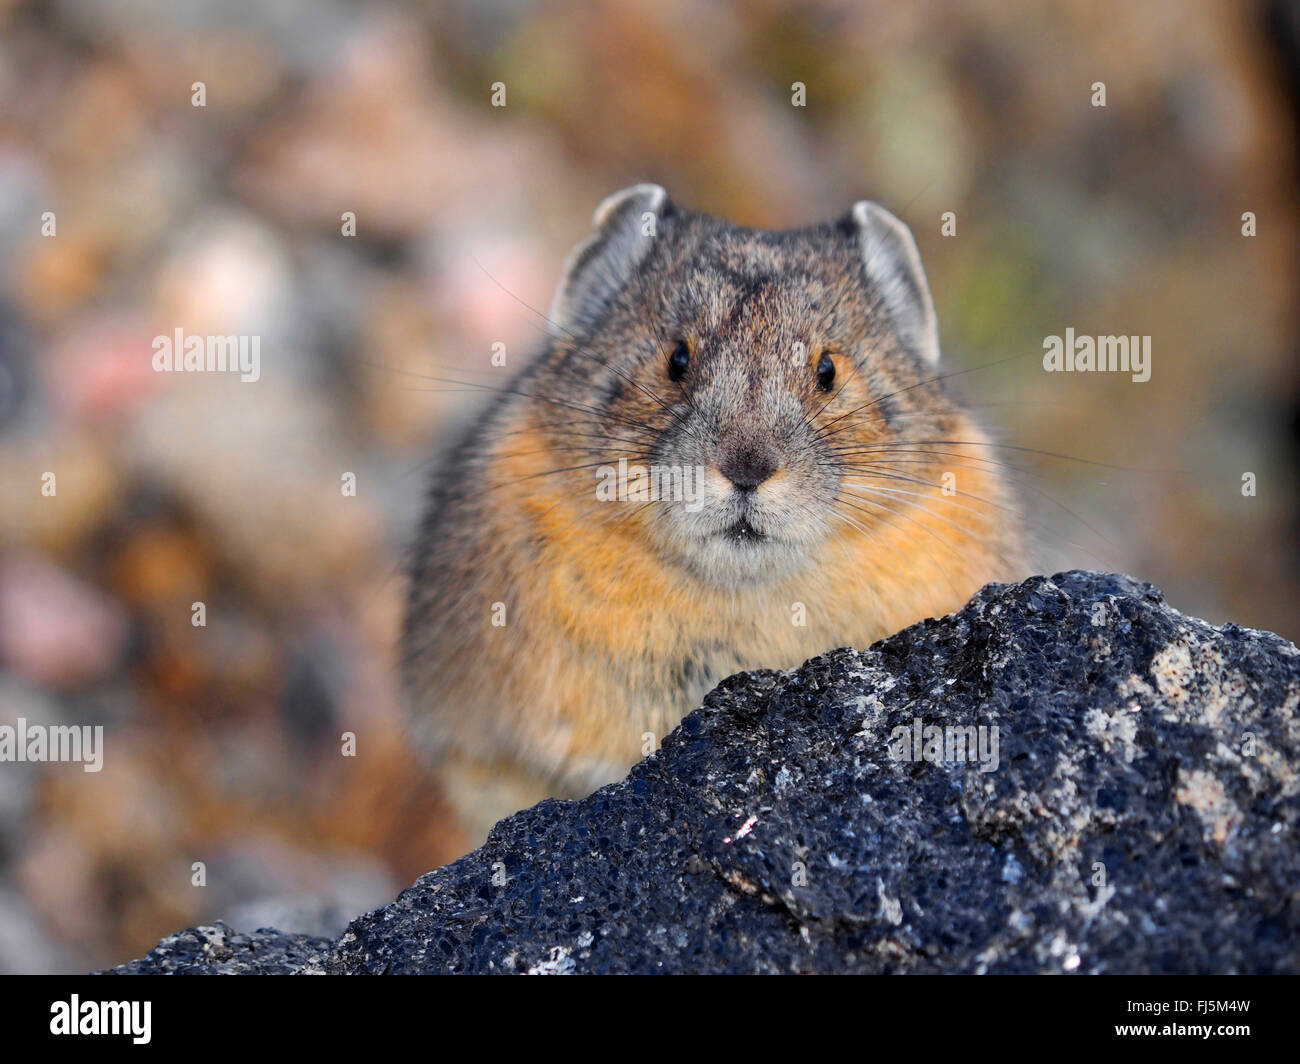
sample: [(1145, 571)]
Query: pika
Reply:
[(735, 450)]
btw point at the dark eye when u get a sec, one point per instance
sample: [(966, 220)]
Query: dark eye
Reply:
[(825, 371), (678, 361)]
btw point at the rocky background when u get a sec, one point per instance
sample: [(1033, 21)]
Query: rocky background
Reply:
[(225, 219)]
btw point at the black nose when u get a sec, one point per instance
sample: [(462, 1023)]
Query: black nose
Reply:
[(747, 467)]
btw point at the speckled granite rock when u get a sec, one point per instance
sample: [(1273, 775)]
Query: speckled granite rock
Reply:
[(1135, 811)]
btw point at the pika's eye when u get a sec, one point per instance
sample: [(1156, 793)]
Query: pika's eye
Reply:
[(678, 361), (825, 371)]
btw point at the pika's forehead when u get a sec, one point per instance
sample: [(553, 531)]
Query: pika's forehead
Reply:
[(778, 273), (748, 254)]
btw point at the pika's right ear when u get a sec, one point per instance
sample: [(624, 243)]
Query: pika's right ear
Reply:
[(626, 226)]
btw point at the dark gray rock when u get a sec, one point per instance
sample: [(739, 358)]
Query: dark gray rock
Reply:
[(1140, 817), (217, 950)]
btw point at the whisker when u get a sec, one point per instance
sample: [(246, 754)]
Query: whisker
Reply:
[(861, 505)]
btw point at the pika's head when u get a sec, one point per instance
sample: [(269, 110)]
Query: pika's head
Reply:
[(723, 389)]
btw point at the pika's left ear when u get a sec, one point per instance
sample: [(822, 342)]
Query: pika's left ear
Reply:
[(601, 266), (893, 269)]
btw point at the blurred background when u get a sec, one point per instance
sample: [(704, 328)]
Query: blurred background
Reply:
[(223, 742)]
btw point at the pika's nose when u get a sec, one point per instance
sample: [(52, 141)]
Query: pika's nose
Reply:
[(747, 466)]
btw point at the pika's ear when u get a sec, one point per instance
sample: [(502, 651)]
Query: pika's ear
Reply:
[(893, 269), (627, 224)]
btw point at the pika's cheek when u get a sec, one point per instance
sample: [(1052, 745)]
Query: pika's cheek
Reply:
[(716, 486), (713, 492), (783, 489), (793, 506)]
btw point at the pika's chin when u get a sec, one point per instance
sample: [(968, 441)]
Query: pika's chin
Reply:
[(737, 556), (740, 559)]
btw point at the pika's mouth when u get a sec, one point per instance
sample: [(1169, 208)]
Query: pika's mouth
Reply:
[(742, 532)]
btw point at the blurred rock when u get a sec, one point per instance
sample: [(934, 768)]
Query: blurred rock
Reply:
[(228, 274), (96, 372), (87, 489), (55, 630), (261, 464), (264, 882), (18, 780), (26, 948), (217, 950), (308, 914)]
